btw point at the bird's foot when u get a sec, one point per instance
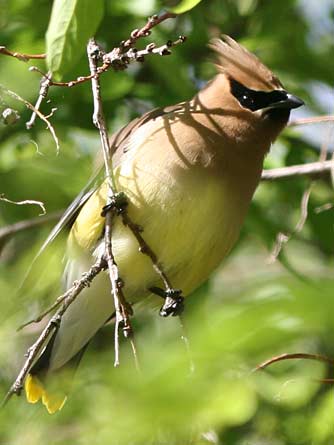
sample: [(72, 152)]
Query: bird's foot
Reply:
[(118, 202), (174, 301)]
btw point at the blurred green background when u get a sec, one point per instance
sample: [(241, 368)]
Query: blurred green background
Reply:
[(250, 310)]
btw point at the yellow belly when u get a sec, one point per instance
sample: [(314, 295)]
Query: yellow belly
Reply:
[(186, 229), (190, 204), (190, 221)]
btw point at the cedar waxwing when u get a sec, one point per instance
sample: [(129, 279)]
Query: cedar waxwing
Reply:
[(189, 172)]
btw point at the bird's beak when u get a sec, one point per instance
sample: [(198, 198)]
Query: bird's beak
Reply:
[(289, 102)]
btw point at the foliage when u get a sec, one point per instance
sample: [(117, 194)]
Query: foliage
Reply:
[(248, 312), (69, 28)]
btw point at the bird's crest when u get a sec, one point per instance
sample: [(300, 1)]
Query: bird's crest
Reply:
[(237, 62)]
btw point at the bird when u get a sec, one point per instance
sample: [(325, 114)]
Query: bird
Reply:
[(189, 172)]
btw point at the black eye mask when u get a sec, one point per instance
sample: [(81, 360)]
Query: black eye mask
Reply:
[(255, 100)]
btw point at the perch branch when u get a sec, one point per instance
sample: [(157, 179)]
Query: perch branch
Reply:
[(173, 297), (122, 309)]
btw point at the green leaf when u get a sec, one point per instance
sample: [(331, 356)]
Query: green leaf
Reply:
[(72, 23), (184, 6)]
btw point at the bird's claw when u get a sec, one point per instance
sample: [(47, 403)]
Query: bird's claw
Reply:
[(117, 202), (174, 301)]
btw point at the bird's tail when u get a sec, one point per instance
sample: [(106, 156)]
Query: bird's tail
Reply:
[(36, 390), (51, 388)]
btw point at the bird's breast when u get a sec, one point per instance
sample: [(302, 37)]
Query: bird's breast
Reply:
[(189, 200), (191, 216)]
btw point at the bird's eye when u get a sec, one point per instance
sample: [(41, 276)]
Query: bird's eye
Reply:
[(246, 100)]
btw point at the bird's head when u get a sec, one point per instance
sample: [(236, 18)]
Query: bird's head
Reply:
[(252, 91)]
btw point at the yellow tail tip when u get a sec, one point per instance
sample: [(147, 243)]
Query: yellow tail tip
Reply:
[(35, 391), (33, 388), (53, 402)]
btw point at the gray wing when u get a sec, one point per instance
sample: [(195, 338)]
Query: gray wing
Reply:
[(119, 141), (71, 212)]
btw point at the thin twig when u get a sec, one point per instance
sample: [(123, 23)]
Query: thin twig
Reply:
[(312, 169), (93, 51), (43, 92), (173, 297), (311, 120), (32, 108), (20, 56), (120, 60), (283, 238), (145, 249), (324, 149), (53, 325), (78, 80), (298, 356), (26, 224), (47, 311), (25, 202), (114, 280), (145, 31), (293, 356), (323, 208)]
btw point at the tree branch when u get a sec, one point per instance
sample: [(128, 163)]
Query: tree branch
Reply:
[(173, 297), (20, 56), (145, 31), (284, 238), (313, 169), (43, 92), (25, 202), (13, 229), (311, 120), (121, 307), (296, 355)]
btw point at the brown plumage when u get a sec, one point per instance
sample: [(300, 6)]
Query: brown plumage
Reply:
[(189, 172), (237, 62)]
